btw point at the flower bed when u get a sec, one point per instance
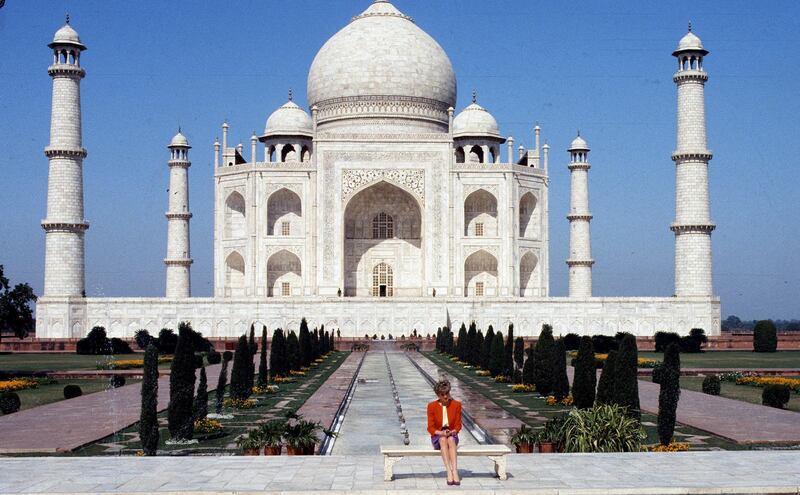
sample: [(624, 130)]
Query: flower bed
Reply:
[(283, 379), (266, 389), (483, 373), (502, 379), (792, 384), (17, 384), (297, 373), (239, 403), (206, 425), (130, 364), (551, 401), (672, 447), (522, 388), (601, 358)]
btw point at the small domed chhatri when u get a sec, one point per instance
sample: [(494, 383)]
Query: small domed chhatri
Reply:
[(579, 144), (475, 121), (67, 36), (289, 120), (690, 42), (179, 140)]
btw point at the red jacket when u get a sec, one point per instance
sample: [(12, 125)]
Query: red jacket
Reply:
[(435, 416)]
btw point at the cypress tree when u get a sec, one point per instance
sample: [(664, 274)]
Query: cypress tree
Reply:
[(239, 381), (584, 381), (314, 345), (304, 343), (262, 362), (765, 336), (626, 384), (277, 354), (560, 379), (479, 343), (292, 352), (439, 339), (252, 348), (519, 358), (605, 386), (670, 393), (451, 345), (222, 382), (543, 361), (461, 344), (148, 418), (181, 386), (508, 353), (527, 368), (487, 348), (497, 358), (472, 337), (201, 399), (323, 339)]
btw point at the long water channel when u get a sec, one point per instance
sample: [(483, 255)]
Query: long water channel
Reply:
[(372, 419)]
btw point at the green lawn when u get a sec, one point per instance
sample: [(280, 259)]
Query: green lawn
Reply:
[(739, 392), (46, 394), (497, 392), (735, 359), (289, 397), (58, 362)]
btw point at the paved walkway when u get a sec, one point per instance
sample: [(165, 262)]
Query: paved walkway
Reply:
[(65, 425), (642, 473)]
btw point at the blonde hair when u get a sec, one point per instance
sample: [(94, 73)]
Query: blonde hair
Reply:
[(442, 387)]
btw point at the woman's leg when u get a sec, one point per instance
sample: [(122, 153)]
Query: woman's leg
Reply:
[(453, 457), (445, 448)]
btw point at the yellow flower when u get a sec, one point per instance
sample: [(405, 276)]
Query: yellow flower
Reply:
[(206, 425), (297, 373), (17, 384), (760, 381), (483, 373), (239, 403), (672, 447), (266, 389), (523, 388)]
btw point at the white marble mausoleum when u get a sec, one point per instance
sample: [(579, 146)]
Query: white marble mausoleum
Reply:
[(381, 208)]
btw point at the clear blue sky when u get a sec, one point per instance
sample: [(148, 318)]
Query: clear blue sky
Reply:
[(603, 67)]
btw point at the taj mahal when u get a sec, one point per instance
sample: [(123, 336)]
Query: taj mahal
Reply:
[(379, 209)]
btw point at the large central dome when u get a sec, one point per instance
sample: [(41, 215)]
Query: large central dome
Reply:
[(382, 57)]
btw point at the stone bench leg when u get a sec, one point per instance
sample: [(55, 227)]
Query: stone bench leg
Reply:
[(499, 466), (388, 467)]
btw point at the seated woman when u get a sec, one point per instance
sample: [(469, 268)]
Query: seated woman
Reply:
[(444, 423)]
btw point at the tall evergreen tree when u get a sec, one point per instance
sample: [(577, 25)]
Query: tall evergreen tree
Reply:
[(605, 386), (277, 354), (323, 339), (519, 357), (584, 382), (498, 355), (239, 382), (543, 361), (560, 379), (181, 386), (487, 348), (439, 339), (293, 351), (508, 353), (262, 362), (461, 343), (670, 393), (200, 408), (252, 348), (527, 368), (472, 337), (626, 384), (304, 344), (479, 343), (148, 418), (222, 382), (315, 345), (451, 345)]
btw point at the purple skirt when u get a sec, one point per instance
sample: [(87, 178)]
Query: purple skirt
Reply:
[(435, 440)]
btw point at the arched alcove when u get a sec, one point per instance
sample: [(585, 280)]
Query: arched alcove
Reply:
[(528, 224), (284, 213), (284, 274), (235, 225), (480, 274), (527, 275), (234, 273), (480, 214)]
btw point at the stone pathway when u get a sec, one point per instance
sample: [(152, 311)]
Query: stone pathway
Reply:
[(639, 473), (68, 424)]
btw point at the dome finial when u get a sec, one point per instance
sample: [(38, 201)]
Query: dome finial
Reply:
[(690, 26), (474, 96), (291, 94), (179, 129), (67, 18), (579, 133)]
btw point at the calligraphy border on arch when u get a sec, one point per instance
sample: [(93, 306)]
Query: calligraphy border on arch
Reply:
[(411, 179)]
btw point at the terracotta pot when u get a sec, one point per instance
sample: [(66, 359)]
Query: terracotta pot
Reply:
[(252, 451), (524, 448), (294, 451), (272, 450), (547, 447), (310, 450)]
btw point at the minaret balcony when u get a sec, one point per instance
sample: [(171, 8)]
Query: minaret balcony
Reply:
[(59, 152), (579, 216), (685, 156), (690, 75), (66, 70), (63, 226), (701, 228)]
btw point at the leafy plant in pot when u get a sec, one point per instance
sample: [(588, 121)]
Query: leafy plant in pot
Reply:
[(301, 437), (251, 443), (551, 436), (523, 439), (271, 434)]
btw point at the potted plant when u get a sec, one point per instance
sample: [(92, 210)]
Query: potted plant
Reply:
[(523, 439), (251, 443), (549, 438), (271, 434), (301, 437)]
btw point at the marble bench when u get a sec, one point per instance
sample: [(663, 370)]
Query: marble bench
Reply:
[(496, 453)]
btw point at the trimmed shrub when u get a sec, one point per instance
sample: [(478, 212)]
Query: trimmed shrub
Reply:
[(711, 385), (200, 407), (143, 339), (472, 353), (543, 361), (486, 353), (181, 386), (519, 358), (278, 363), (527, 368), (293, 352), (775, 396), (214, 357), (626, 385), (602, 428), (765, 336), (72, 391), (605, 386), (167, 340), (9, 403), (694, 341), (148, 417), (572, 341), (262, 362), (304, 344), (198, 361), (669, 393), (479, 345), (560, 379), (119, 346), (252, 348), (497, 358), (97, 343), (508, 353), (603, 344), (461, 343), (222, 382), (117, 381), (664, 339), (227, 356), (584, 381), (239, 389)]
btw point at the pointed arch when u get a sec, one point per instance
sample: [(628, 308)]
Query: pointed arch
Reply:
[(234, 273), (284, 213), (527, 274), (284, 274), (480, 274), (235, 213), (288, 153), (528, 216), (476, 154), (480, 214), (460, 154)]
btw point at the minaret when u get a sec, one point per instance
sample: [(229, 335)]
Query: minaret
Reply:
[(580, 245), (693, 223), (178, 258), (65, 225)]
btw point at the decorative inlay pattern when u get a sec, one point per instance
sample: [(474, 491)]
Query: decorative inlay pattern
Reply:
[(412, 180)]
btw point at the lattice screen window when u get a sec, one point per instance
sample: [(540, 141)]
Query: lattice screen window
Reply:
[(285, 228), (382, 276), (479, 229), (383, 226), (479, 288), (286, 289)]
